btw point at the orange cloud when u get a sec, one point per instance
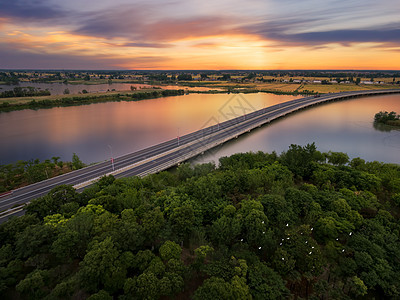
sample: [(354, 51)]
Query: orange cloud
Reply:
[(172, 30), (200, 43)]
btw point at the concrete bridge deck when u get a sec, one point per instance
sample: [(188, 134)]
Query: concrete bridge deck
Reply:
[(167, 154)]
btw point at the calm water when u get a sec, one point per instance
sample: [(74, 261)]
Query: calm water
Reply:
[(125, 126), (345, 126), (59, 88), (128, 126)]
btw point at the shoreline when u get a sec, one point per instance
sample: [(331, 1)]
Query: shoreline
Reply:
[(39, 102), (15, 104)]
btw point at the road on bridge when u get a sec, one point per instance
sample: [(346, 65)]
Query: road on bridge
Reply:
[(167, 154)]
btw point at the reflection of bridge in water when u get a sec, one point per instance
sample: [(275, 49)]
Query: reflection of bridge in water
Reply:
[(170, 153)]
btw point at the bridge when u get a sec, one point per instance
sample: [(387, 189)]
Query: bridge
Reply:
[(170, 153)]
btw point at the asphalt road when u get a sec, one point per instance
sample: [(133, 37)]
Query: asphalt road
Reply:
[(164, 155)]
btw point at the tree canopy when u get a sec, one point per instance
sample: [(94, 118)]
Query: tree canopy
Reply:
[(259, 226)]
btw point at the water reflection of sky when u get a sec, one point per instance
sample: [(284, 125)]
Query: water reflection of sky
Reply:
[(345, 126), (127, 126)]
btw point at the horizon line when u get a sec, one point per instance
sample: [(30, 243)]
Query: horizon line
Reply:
[(203, 70)]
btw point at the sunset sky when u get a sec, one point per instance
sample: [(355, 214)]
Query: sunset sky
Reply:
[(219, 34)]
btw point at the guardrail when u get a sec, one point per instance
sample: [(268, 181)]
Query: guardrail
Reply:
[(2, 195)]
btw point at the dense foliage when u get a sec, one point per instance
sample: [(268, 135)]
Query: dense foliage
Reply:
[(387, 118), (260, 226)]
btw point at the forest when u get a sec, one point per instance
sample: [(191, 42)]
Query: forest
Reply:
[(299, 225)]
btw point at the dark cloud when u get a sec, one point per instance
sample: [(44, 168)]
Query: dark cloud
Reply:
[(281, 33), (167, 29), (346, 36), (143, 26), (28, 10), (13, 58), (146, 45), (113, 23)]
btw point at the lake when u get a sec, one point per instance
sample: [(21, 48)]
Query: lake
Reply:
[(89, 130), (345, 126)]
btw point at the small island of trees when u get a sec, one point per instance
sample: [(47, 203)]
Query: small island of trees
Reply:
[(304, 224), (388, 118)]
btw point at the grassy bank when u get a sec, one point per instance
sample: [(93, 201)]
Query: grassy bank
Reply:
[(12, 104)]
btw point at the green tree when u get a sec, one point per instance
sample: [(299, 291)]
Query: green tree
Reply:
[(170, 250), (201, 253), (145, 286), (182, 219), (101, 267), (33, 286), (52, 202), (326, 229), (225, 230), (128, 235), (214, 288), (357, 287), (337, 158), (264, 283), (301, 160), (76, 162), (101, 295), (64, 246), (35, 239), (152, 222)]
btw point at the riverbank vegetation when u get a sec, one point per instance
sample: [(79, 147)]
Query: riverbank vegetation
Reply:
[(384, 117), (260, 226), (24, 92), (72, 100), (22, 173)]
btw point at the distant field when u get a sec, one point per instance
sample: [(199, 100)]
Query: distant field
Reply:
[(292, 87), (335, 88), (281, 87)]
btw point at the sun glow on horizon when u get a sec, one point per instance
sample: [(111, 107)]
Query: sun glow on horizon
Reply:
[(182, 38)]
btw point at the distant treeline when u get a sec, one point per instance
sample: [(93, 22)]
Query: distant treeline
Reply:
[(11, 77), (250, 91), (81, 100), (24, 92)]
